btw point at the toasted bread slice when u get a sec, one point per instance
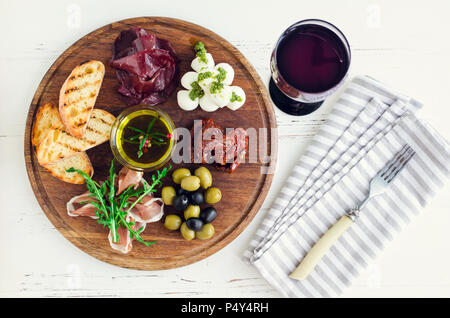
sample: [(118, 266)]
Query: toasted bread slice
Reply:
[(78, 95), (46, 117), (79, 161), (59, 144)]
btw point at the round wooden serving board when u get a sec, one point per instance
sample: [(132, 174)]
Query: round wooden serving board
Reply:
[(243, 192)]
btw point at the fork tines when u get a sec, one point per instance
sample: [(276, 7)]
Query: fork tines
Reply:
[(397, 164)]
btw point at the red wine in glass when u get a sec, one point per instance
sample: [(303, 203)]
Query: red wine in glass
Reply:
[(310, 61)]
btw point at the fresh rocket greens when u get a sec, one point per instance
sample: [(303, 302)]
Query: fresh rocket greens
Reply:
[(111, 209)]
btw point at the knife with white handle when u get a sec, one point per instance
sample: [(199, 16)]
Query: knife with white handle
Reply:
[(320, 248), (378, 185)]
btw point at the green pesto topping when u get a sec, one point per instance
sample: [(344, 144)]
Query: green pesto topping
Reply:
[(204, 75), (196, 91), (216, 87), (222, 74), (235, 98), (200, 51)]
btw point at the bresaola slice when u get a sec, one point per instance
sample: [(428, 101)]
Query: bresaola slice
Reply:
[(146, 67)]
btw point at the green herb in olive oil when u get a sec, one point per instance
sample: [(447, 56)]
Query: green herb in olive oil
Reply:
[(146, 139)]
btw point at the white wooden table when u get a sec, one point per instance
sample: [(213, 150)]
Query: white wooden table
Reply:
[(405, 44)]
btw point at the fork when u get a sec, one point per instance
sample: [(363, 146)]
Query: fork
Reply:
[(378, 185)]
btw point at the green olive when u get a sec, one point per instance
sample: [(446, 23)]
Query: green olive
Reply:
[(190, 183), (186, 232), (168, 194), (206, 232), (192, 211), (172, 222), (213, 195), (179, 174), (205, 177)]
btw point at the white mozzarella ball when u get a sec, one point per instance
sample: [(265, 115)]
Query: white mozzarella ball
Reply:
[(188, 79), (199, 66), (222, 97), (239, 92), (207, 104), (185, 102), (230, 72)]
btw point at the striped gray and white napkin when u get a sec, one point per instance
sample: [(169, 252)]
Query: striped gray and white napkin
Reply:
[(369, 124)]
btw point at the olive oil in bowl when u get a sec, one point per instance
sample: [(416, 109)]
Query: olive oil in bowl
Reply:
[(141, 138)]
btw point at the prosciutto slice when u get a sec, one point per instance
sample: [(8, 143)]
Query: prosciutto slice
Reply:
[(77, 207), (127, 178), (125, 243), (148, 210)]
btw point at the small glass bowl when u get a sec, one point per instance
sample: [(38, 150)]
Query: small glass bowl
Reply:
[(119, 125)]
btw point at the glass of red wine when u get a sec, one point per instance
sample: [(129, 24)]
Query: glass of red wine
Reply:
[(309, 62)]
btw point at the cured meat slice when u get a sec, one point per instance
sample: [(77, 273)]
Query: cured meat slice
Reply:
[(149, 210), (145, 64), (237, 146), (207, 137), (125, 242), (212, 146), (77, 206), (123, 45), (145, 41), (146, 67), (127, 178)]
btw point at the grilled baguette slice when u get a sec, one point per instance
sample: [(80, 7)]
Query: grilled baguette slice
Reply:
[(78, 95), (46, 117), (59, 144), (79, 161)]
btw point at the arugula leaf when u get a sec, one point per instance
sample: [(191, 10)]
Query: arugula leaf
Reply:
[(112, 209), (93, 187), (148, 188)]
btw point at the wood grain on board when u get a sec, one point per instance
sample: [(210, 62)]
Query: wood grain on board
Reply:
[(243, 192)]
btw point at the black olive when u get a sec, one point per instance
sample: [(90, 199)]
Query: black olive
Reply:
[(208, 215), (196, 198), (181, 202), (195, 224), (179, 190)]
